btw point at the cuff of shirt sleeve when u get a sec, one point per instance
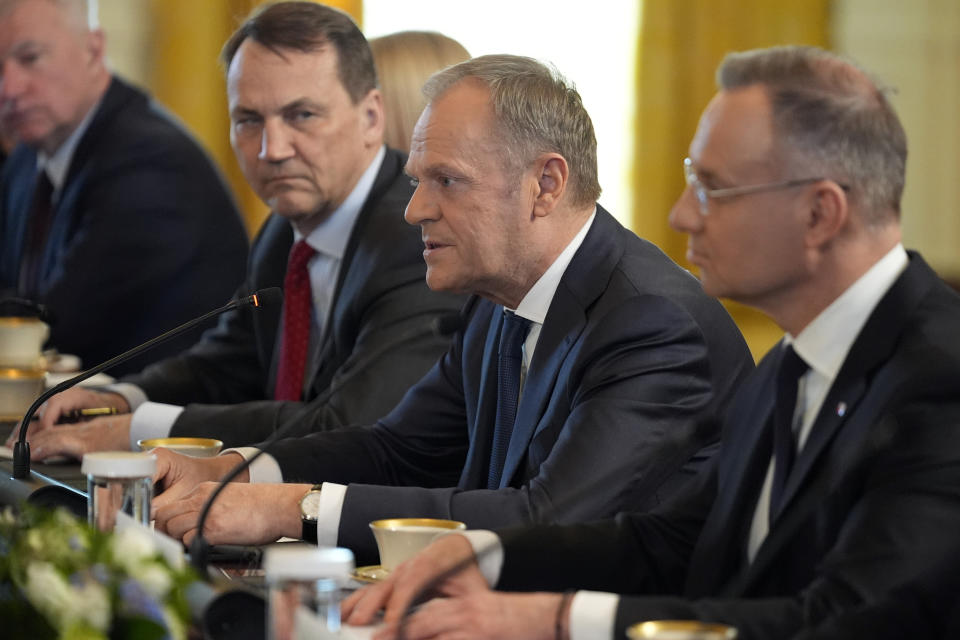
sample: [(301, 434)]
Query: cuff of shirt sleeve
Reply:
[(152, 420), (133, 394), (262, 470), (489, 552), (592, 615), (328, 513)]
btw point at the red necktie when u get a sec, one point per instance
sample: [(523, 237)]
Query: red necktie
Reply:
[(296, 324)]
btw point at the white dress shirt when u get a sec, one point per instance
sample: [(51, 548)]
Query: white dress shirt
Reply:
[(155, 420), (57, 165), (823, 345), (533, 307)]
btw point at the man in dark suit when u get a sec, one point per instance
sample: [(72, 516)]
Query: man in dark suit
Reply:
[(618, 355), (838, 476), (308, 133), (111, 215)]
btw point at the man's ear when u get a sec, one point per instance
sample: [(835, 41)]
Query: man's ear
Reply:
[(372, 119), (552, 175), (96, 46), (828, 213)]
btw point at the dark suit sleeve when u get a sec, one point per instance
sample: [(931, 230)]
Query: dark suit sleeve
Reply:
[(623, 418), (901, 523), (229, 364), (396, 346)]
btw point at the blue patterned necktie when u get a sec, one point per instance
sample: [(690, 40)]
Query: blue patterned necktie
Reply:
[(791, 368), (512, 335)]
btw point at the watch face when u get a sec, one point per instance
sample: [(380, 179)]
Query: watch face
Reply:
[(310, 505)]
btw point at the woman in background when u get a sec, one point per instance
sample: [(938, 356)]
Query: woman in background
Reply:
[(404, 61)]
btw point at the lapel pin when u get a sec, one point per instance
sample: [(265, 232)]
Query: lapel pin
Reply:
[(841, 409)]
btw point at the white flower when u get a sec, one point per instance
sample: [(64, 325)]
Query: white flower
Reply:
[(90, 603), (154, 579), (47, 590), (52, 595), (130, 547)]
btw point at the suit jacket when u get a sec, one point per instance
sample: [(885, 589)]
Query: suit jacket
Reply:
[(145, 235), (378, 341), (873, 500), (630, 356)]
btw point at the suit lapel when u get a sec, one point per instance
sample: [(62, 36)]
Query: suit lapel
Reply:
[(870, 350), (744, 460), (474, 475), (554, 342), (325, 349), (853, 387), (582, 283)]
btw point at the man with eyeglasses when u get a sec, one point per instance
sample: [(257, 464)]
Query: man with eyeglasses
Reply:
[(838, 477)]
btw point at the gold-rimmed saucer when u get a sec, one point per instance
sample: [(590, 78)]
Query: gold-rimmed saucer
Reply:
[(371, 573)]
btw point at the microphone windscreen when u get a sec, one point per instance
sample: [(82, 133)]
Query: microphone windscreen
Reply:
[(447, 324), (269, 297)]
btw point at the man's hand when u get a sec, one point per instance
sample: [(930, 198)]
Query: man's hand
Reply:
[(177, 475), (241, 514), (425, 573), (110, 433), (76, 398), (469, 609), (79, 398), (486, 615)]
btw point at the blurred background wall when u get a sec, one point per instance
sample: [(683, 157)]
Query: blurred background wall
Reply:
[(644, 68)]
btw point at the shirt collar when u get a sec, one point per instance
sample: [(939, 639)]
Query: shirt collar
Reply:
[(331, 236), (824, 343), (58, 164), (536, 303)]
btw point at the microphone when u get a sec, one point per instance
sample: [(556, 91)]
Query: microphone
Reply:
[(440, 326), (21, 449)]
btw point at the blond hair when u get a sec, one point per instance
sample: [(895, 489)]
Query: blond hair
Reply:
[(404, 61)]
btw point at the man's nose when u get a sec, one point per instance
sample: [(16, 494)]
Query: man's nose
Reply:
[(685, 214), (275, 142), (13, 81), (421, 207)]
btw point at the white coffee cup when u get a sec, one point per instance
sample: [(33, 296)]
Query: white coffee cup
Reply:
[(21, 341), (401, 538), (18, 389)]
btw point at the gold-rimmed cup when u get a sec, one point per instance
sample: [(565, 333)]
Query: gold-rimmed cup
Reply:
[(193, 447), (18, 389), (21, 342), (680, 630), (401, 538)]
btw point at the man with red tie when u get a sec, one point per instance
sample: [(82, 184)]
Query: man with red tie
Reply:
[(357, 324)]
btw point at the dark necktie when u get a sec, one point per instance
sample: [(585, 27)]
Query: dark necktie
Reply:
[(512, 335), (38, 228), (791, 368), (295, 340)]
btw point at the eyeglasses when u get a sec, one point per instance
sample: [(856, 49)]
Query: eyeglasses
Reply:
[(704, 195)]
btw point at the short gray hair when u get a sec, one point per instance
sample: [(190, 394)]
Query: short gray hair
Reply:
[(831, 117), (84, 11), (537, 110)]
